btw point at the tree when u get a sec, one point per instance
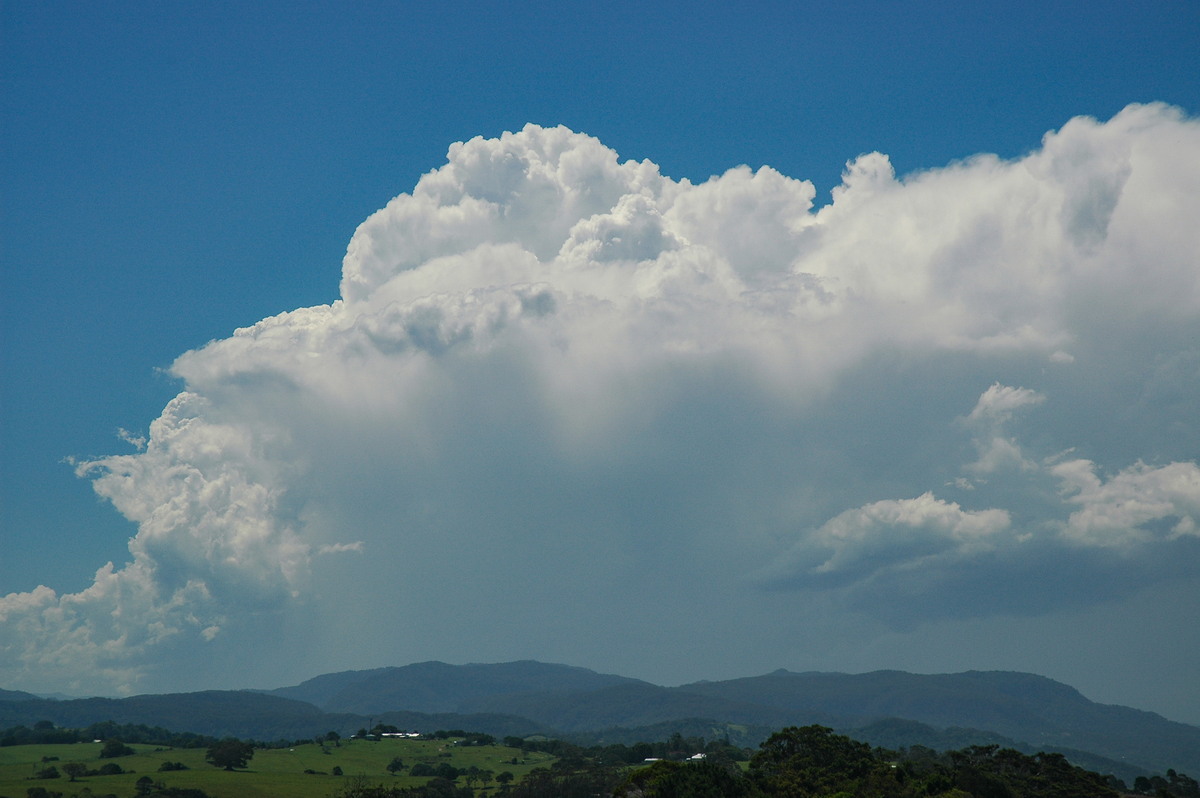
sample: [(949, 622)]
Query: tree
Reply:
[(41, 792), (810, 759), (444, 770), (75, 770), (396, 765), (691, 780), (113, 748), (230, 754)]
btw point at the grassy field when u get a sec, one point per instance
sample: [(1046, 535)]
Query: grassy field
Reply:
[(272, 773)]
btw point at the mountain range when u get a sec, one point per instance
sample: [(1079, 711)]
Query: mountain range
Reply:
[(888, 708)]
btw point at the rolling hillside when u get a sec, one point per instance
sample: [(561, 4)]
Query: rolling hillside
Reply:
[(889, 708)]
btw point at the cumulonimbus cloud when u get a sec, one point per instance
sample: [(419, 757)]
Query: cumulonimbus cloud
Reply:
[(546, 361)]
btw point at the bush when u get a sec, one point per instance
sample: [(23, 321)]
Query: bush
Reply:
[(447, 771), (114, 748), (230, 754), (41, 792)]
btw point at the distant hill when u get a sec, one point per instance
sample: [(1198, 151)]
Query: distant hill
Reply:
[(887, 708), (16, 695), (637, 704), (497, 725), (895, 733), (1034, 709), (434, 687), (320, 689), (218, 713)]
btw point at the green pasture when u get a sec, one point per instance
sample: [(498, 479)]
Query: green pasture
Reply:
[(272, 773)]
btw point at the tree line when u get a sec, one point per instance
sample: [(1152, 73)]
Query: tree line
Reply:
[(44, 732)]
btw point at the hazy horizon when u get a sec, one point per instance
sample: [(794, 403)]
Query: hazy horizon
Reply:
[(273, 687)]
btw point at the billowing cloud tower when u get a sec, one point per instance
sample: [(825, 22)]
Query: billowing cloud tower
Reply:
[(569, 408)]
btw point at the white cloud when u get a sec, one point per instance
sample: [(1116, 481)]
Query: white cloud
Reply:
[(136, 441), (1123, 510), (904, 532), (997, 403), (338, 548), (869, 549), (101, 637), (988, 420), (552, 375)]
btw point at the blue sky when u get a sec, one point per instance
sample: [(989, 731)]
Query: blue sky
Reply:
[(173, 172)]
